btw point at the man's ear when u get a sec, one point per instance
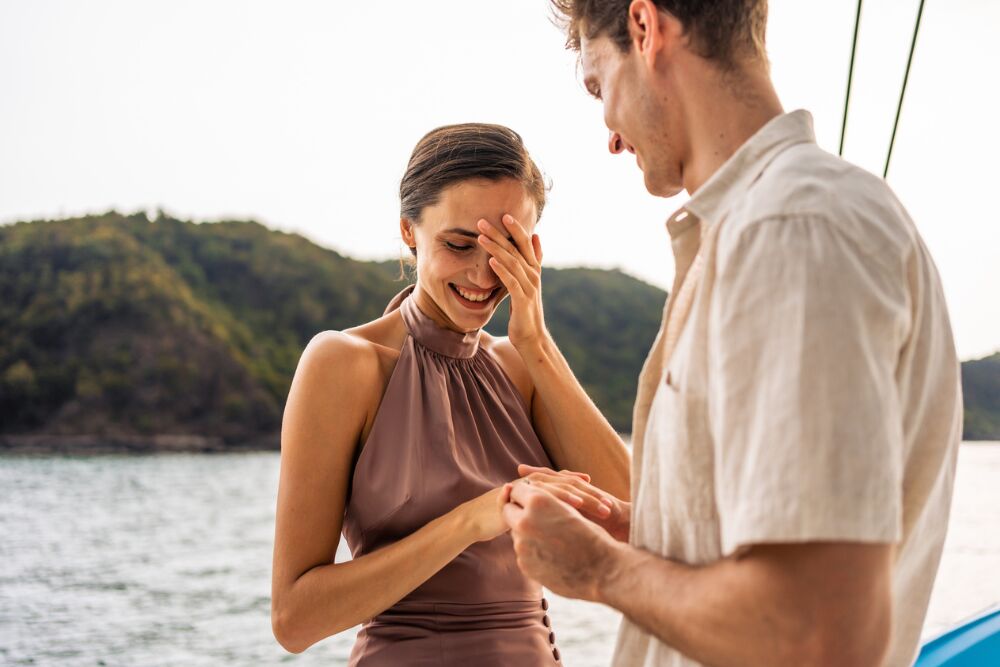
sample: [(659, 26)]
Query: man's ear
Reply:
[(653, 31), (406, 231)]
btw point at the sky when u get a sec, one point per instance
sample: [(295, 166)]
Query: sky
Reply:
[(301, 115)]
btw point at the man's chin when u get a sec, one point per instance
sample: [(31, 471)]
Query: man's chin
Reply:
[(657, 188)]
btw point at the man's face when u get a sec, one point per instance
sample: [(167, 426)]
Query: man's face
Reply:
[(638, 111)]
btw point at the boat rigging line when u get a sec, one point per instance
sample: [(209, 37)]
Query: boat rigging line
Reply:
[(902, 93)]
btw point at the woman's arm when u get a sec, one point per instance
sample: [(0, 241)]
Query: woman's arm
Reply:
[(574, 432), (311, 596)]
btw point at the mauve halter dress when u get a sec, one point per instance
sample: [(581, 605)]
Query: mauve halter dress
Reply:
[(450, 427)]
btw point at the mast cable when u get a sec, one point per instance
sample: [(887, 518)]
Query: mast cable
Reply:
[(906, 78), (850, 77)]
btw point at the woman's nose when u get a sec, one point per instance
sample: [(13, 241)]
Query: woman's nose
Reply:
[(615, 143), (482, 274)]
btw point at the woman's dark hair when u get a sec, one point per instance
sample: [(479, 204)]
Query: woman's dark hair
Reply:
[(454, 153)]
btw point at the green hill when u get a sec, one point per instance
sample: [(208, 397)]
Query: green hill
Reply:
[(981, 388), (123, 332), (126, 328)]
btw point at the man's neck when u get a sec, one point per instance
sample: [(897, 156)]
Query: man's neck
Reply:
[(722, 117)]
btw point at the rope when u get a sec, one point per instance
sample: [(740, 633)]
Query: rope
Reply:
[(850, 77), (906, 78)]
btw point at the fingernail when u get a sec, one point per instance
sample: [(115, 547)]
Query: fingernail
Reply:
[(508, 220)]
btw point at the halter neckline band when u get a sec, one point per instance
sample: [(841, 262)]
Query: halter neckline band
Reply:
[(428, 333)]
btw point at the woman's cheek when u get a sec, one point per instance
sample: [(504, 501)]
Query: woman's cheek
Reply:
[(449, 262)]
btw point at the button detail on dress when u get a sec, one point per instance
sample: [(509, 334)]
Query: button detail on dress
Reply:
[(545, 604), (552, 638), (545, 621), (555, 654)]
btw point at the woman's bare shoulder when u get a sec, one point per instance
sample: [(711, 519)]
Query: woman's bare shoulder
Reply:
[(341, 351), (348, 368), (358, 356)]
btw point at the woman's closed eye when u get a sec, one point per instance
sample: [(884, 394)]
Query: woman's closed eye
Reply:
[(457, 248)]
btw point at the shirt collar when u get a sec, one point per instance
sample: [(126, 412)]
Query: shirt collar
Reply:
[(714, 198)]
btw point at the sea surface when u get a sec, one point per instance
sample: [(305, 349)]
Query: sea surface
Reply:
[(166, 560)]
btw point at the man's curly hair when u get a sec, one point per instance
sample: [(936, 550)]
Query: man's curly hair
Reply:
[(720, 30)]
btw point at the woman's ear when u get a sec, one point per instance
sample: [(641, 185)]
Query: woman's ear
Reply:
[(406, 231)]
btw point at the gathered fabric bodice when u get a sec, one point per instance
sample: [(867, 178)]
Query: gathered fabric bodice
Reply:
[(451, 426)]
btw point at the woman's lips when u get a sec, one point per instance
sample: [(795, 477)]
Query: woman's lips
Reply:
[(474, 305)]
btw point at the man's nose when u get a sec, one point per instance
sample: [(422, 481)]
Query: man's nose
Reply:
[(615, 143)]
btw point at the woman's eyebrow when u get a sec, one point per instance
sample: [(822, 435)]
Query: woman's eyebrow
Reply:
[(470, 234), (461, 232)]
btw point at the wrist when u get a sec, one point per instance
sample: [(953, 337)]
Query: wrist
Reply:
[(617, 559), (537, 349), (464, 523)]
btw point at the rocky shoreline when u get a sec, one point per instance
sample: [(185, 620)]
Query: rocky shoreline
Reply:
[(86, 444)]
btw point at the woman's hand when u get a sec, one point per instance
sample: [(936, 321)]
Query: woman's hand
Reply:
[(607, 511), (518, 263)]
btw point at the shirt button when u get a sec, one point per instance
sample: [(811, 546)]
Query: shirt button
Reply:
[(545, 604), (555, 654), (552, 638), (545, 621)]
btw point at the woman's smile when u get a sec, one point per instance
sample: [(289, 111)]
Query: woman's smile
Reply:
[(472, 298)]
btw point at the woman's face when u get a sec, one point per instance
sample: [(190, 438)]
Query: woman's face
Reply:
[(455, 284)]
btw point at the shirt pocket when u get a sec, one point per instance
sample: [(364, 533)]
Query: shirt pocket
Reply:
[(680, 440)]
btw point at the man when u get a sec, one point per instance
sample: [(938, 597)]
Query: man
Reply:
[(797, 420)]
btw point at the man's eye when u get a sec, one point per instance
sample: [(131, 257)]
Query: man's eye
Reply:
[(457, 248)]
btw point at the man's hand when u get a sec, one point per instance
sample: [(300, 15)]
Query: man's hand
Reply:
[(555, 545), (616, 521)]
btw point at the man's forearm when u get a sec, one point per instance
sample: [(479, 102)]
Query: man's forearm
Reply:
[(770, 609)]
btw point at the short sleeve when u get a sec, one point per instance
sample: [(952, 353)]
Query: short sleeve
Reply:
[(805, 329)]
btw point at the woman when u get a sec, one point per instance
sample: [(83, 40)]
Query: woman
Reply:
[(402, 432)]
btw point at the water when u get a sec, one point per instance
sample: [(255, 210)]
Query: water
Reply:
[(166, 560)]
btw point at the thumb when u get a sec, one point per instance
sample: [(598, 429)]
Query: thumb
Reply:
[(505, 495)]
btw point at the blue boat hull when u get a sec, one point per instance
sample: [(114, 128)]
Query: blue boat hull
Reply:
[(975, 642)]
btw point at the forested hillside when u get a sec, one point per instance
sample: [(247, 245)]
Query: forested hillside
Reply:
[(122, 326)]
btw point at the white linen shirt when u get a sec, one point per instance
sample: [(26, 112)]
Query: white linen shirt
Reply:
[(804, 385)]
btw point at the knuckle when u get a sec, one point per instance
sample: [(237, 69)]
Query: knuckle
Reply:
[(536, 502)]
